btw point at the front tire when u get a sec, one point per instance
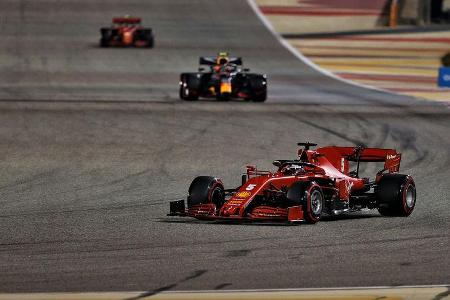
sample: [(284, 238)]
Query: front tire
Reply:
[(310, 197), (206, 189), (190, 86), (396, 195), (258, 88)]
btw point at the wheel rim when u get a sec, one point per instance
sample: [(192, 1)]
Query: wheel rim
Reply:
[(410, 196), (316, 202)]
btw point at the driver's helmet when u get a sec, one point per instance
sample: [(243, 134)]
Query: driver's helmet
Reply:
[(222, 58), (126, 18)]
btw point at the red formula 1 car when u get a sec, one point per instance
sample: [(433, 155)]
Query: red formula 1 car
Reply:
[(318, 182), (126, 31)]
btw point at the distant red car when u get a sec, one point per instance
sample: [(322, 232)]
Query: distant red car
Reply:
[(318, 182), (126, 31)]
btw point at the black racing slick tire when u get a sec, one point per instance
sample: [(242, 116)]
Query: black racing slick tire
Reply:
[(396, 195), (310, 196), (151, 42), (190, 84), (206, 189), (104, 43), (258, 88), (147, 35), (106, 34)]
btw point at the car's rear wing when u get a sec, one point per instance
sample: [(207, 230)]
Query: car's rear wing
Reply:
[(340, 156), (127, 20), (209, 60)]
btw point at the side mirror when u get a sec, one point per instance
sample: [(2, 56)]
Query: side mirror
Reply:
[(201, 69), (246, 70), (244, 178)]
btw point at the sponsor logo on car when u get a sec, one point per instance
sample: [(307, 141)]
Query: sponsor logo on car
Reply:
[(243, 194), (236, 202)]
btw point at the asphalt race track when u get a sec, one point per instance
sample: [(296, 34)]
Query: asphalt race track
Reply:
[(95, 143)]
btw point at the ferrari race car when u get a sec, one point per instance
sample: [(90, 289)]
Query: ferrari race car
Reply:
[(225, 79), (319, 182), (126, 31)]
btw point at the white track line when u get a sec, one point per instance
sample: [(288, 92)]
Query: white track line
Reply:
[(356, 288), (306, 60), (390, 292)]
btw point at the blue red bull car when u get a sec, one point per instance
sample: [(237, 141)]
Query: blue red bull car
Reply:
[(126, 32), (223, 79), (317, 183)]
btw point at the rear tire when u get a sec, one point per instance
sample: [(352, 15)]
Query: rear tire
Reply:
[(190, 86), (151, 42), (206, 189), (147, 35), (104, 43), (396, 195), (310, 197), (107, 34), (258, 88)]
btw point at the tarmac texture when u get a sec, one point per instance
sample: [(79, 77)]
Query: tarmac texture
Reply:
[(95, 143)]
